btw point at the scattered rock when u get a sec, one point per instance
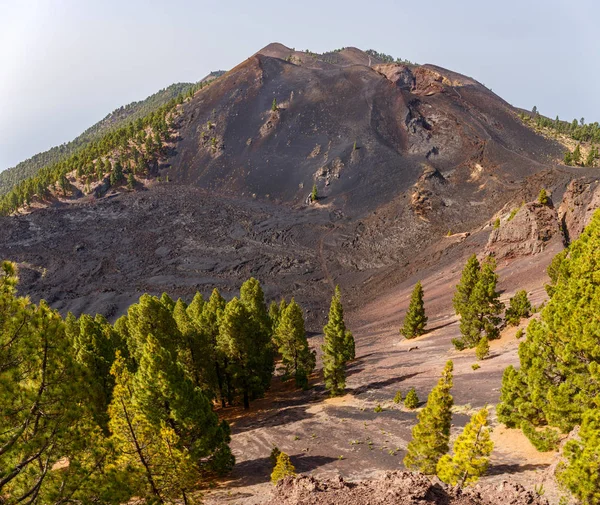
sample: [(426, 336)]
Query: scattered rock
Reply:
[(396, 488)]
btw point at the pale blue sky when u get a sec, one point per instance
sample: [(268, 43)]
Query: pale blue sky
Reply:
[(66, 63)]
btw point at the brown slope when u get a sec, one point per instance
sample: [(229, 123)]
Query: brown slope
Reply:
[(436, 151)]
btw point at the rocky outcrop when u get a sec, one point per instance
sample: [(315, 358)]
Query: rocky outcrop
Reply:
[(580, 200), (396, 488), (425, 197), (400, 75), (532, 229)]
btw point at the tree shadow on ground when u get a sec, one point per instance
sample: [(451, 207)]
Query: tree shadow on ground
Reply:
[(515, 468), (439, 327), (257, 471), (271, 418), (381, 384)]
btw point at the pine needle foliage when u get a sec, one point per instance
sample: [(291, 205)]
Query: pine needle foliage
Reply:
[(559, 373), (477, 302), (519, 308), (297, 359), (470, 459), (431, 435), (412, 400), (415, 320), (283, 468), (338, 347), (580, 473)]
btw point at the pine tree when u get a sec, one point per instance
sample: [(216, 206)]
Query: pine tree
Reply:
[(431, 435), (151, 316), (470, 274), (412, 400), (130, 180), (283, 468), (116, 177), (195, 351), (519, 307), (95, 344), (482, 350), (543, 197), (415, 320), (274, 105), (207, 322), (237, 342), (480, 314), (297, 358), (337, 348), (314, 195), (253, 298), (167, 397), (558, 374), (274, 316), (472, 449), (580, 473), (577, 155)]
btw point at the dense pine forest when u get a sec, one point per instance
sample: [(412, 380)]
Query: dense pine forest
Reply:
[(93, 412)]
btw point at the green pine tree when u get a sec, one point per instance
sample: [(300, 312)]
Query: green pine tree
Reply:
[(297, 359), (415, 320), (274, 107), (470, 275), (431, 435), (519, 308), (482, 350), (480, 315), (543, 197), (283, 468), (314, 195), (337, 348), (580, 472), (412, 400), (45, 410), (253, 298), (207, 320), (556, 382), (577, 154), (472, 449)]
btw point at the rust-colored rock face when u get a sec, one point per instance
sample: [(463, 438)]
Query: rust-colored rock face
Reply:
[(580, 201), (396, 488)]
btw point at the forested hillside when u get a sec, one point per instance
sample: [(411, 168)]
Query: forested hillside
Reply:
[(116, 119)]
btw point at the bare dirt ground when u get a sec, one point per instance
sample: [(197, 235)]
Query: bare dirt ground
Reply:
[(330, 437)]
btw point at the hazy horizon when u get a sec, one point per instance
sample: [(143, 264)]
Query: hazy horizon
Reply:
[(69, 65)]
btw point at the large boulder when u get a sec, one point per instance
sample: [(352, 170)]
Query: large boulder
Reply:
[(532, 229)]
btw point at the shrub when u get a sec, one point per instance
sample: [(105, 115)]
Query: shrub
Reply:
[(378, 408), (412, 400), (519, 333), (475, 366), (482, 350), (398, 397), (283, 468), (497, 223)]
